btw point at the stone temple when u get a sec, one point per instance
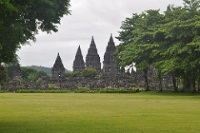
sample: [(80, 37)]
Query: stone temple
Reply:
[(92, 58), (58, 69), (109, 76), (110, 65), (78, 64)]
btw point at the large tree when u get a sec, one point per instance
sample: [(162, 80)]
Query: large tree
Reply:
[(170, 42), (20, 21), (138, 39), (182, 33)]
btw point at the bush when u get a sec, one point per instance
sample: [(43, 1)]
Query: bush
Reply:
[(88, 72), (73, 74), (42, 91), (3, 91), (119, 91), (68, 74)]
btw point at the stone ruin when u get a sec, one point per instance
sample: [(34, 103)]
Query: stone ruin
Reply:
[(92, 58), (110, 64), (78, 64), (58, 69), (109, 77)]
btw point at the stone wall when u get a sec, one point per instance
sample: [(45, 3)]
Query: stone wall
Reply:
[(98, 82), (103, 81)]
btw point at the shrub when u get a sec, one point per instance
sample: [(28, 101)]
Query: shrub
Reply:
[(73, 74), (68, 74), (76, 74), (42, 91), (88, 72), (51, 85)]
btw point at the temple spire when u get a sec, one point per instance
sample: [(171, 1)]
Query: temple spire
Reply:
[(79, 51), (111, 39), (111, 42), (92, 58), (92, 44), (110, 65), (78, 64), (58, 69)]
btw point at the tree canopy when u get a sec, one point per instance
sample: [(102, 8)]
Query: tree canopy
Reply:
[(170, 42), (20, 21)]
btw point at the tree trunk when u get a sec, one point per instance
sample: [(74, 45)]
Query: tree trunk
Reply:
[(186, 84), (174, 83), (160, 85), (193, 81), (160, 82), (198, 80), (146, 79), (194, 85), (189, 82)]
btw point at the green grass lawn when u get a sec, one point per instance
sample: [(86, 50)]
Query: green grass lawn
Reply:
[(147, 112)]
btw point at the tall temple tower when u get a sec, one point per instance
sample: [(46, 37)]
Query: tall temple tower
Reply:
[(78, 64), (58, 69), (92, 58), (110, 65)]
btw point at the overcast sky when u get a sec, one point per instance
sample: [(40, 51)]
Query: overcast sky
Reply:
[(98, 18)]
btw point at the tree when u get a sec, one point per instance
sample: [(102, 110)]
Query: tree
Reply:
[(138, 47), (20, 21), (181, 45), (38, 75), (29, 74), (170, 42), (26, 71)]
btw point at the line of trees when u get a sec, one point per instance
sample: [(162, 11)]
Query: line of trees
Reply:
[(169, 41), (26, 73)]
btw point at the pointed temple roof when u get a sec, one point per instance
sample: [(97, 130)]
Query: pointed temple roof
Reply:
[(79, 51), (110, 49), (110, 65), (111, 42), (78, 64), (58, 65), (92, 44), (92, 58), (92, 50)]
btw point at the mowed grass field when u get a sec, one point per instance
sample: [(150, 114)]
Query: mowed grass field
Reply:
[(147, 112)]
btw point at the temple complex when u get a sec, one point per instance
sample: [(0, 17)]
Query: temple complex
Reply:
[(110, 65), (58, 69), (109, 76)]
